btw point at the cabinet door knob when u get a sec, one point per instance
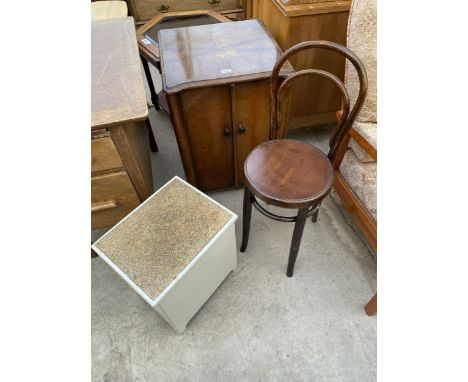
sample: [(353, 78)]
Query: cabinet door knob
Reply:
[(227, 132), (163, 8), (214, 2), (241, 128)]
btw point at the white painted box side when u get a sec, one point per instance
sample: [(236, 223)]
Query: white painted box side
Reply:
[(193, 289)]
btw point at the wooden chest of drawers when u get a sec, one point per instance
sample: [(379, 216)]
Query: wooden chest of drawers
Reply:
[(121, 175), (144, 10)]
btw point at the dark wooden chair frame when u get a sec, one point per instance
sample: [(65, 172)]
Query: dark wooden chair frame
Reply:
[(309, 207)]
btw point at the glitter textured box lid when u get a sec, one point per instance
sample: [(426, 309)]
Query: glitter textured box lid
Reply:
[(154, 243)]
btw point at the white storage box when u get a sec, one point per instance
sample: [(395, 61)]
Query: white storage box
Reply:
[(174, 250)]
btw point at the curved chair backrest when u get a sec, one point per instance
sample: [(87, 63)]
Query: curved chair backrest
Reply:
[(347, 117)]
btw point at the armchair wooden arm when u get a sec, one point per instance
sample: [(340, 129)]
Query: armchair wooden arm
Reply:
[(360, 140), (352, 204)]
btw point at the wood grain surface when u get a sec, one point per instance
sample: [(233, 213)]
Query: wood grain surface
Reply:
[(311, 7), (250, 120), (112, 197), (218, 117), (131, 141), (104, 155), (313, 101), (288, 173), (117, 90), (208, 54), (210, 135), (144, 10), (170, 20)]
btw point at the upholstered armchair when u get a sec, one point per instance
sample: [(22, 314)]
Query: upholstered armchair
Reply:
[(356, 165)]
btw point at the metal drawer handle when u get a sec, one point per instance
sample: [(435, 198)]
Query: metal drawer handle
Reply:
[(214, 2), (242, 129), (163, 8), (96, 207)]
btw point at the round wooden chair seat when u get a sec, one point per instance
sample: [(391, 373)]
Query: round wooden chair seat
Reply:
[(288, 173)]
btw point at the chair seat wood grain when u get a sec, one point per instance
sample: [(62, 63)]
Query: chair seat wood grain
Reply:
[(288, 173)]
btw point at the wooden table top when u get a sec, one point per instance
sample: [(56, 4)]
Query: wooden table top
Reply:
[(213, 54), (117, 90)]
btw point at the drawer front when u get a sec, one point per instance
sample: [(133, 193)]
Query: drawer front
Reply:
[(104, 155), (147, 9), (112, 198)]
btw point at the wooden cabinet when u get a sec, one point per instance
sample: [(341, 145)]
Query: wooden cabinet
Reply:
[(121, 175), (313, 101), (144, 10), (216, 79), (221, 139)]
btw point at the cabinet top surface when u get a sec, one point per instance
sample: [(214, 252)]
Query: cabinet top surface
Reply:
[(292, 8), (159, 239), (215, 54), (117, 90)]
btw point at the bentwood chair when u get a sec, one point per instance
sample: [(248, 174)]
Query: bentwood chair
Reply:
[(289, 173)]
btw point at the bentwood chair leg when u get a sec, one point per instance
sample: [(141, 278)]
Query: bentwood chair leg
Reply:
[(315, 214), (246, 217), (296, 239)]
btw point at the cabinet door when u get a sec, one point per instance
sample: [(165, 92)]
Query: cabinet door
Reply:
[(251, 120), (207, 115)]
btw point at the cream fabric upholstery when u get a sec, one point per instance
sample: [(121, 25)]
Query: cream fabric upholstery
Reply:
[(362, 40), (368, 131), (362, 178), (358, 168)]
